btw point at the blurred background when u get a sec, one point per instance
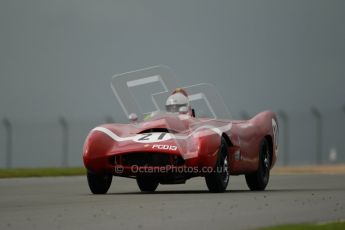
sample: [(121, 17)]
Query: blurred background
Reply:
[(57, 59)]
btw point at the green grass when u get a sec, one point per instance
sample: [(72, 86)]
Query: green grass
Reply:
[(327, 226), (41, 172)]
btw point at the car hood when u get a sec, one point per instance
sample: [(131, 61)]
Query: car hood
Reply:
[(177, 124)]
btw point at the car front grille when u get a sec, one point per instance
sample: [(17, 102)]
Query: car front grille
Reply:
[(147, 159)]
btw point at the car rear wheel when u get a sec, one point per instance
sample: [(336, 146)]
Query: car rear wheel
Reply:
[(99, 183), (218, 180), (147, 183), (258, 180)]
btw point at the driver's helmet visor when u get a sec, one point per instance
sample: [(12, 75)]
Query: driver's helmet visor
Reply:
[(174, 108)]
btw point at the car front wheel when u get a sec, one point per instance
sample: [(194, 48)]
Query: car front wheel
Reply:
[(147, 183), (218, 180), (99, 183)]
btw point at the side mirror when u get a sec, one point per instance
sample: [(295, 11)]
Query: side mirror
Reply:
[(183, 110), (133, 117)]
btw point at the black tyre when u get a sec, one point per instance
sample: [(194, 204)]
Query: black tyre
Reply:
[(99, 183), (147, 183), (218, 180), (258, 180)]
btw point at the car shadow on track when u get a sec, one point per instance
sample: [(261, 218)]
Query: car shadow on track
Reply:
[(177, 192), (242, 191)]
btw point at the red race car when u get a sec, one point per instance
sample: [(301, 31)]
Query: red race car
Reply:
[(173, 146)]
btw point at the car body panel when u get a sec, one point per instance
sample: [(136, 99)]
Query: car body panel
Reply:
[(167, 137)]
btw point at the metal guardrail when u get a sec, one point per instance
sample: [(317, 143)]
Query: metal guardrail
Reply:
[(318, 142), (9, 143), (286, 135)]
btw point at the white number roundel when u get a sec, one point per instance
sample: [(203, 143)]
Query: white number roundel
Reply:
[(151, 137)]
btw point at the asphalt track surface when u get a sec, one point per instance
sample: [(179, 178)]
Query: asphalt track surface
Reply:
[(66, 203)]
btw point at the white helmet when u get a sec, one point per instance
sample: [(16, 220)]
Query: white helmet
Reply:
[(178, 99)]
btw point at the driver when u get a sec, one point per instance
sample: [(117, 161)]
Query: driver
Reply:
[(178, 99)]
